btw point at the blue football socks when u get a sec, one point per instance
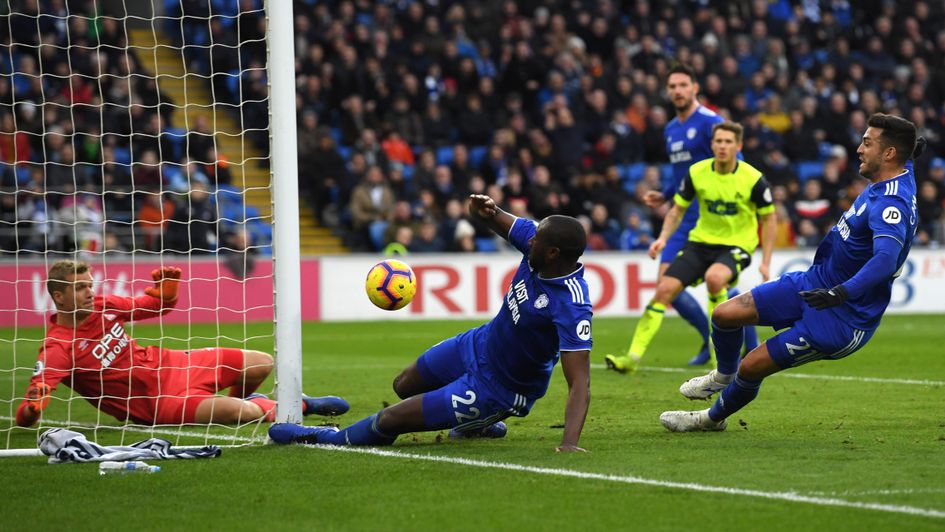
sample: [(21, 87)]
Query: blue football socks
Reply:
[(364, 432), (751, 335), (737, 394), (728, 347), (692, 312)]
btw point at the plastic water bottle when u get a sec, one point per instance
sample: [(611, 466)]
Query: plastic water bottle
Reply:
[(124, 468)]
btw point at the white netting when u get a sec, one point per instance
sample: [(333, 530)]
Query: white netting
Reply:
[(133, 139)]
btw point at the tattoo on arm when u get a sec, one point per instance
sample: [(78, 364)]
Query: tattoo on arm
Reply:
[(745, 300)]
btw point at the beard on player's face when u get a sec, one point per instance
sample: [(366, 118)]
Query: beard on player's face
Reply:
[(683, 103)]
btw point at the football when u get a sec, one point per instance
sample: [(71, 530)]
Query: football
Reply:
[(390, 284)]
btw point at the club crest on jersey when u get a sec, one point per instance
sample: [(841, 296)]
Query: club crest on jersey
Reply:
[(38, 368), (691, 133), (542, 301), (891, 215)]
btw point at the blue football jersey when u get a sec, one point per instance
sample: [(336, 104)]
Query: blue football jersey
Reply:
[(884, 210), (538, 319), (688, 143)]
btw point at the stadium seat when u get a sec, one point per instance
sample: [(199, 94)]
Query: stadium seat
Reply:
[(444, 155), (486, 244), (176, 138), (476, 155), (635, 172), (808, 169), (122, 156)]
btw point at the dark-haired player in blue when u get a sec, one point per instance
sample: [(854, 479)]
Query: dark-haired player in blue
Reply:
[(835, 306), (688, 141), (473, 381)]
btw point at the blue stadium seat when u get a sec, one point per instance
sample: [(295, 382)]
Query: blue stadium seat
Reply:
[(808, 169), (22, 175), (122, 156), (486, 244), (444, 155), (476, 155), (177, 139), (666, 171), (635, 172)]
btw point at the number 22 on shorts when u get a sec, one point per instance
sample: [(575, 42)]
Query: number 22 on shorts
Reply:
[(468, 401)]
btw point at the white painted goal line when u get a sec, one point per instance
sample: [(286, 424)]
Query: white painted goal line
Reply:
[(787, 496), (792, 375), (238, 440)]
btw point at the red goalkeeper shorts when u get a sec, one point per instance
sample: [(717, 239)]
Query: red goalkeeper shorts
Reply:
[(191, 377)]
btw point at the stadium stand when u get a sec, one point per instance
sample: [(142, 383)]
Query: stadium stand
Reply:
[(552, 106)]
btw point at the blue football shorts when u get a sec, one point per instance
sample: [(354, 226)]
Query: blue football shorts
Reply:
[(813, 334), (466, 399)]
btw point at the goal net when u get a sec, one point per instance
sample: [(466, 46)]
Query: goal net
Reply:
[(134, 137)]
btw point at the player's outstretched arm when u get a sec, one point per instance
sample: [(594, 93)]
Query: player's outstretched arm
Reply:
[(577, 371), (879, 269), (484, 208)]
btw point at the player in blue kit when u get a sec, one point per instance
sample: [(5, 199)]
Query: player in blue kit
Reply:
[(688, 141), (835, 306), (473, 381)]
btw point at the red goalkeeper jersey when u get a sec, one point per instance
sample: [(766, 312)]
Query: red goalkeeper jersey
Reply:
[(104, 365)]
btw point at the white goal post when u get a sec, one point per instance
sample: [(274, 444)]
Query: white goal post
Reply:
[(126, 143)]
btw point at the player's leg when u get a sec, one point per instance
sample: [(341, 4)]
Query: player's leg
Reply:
[(743, 389), (203, 372), (740, 260), (462, 403), (816, 335), (226, 410), (254, 369), (667, 289), (439, 365), (774, 303), (751, 334), (685, 303)]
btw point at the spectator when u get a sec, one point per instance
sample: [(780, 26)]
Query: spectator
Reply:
[(372, 202), (427, 239)]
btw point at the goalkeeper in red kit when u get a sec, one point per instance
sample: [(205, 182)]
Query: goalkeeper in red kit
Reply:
[(87, 349)]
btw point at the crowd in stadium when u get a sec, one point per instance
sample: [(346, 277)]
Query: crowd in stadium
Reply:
[(558, 107), (89, 155), (404, 108)]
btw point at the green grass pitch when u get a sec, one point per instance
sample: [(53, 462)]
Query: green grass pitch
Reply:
[(857, 444)]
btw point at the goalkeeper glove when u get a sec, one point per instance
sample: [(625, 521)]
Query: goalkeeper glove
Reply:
[(822, 298), (166, 281), (36, 400)]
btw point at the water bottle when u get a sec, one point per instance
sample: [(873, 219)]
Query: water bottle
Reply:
[(124, 468)]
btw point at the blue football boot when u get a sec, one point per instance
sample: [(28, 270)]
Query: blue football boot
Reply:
[(329, 405), (495, 430), (285, 433)]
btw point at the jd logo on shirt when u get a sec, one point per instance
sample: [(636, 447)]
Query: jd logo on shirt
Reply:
[(891, 215)]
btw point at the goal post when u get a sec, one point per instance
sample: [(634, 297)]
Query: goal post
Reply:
[(132, 137), (285, 193)]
